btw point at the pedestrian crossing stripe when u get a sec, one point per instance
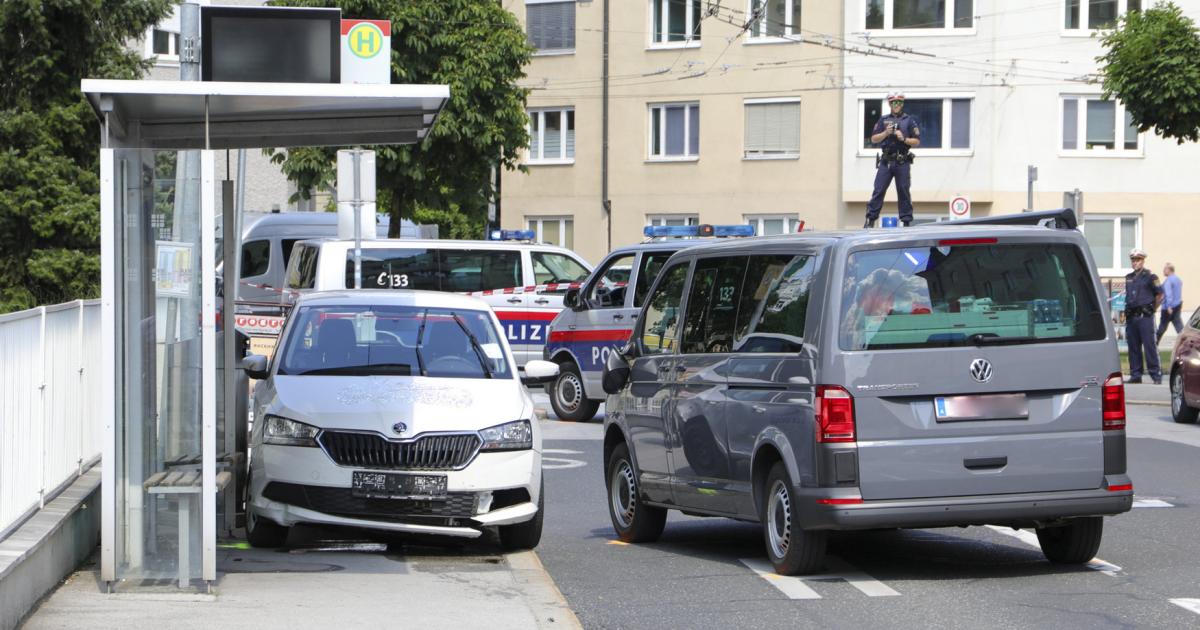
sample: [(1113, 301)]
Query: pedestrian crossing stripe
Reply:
[(1188, 603), (1031, 539), (796, 587), (1151, 503)]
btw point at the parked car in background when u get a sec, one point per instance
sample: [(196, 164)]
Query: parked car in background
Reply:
[(522, 281), (400, 411), (1184, 372)]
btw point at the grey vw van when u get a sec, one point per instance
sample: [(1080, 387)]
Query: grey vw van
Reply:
[(935, 376)]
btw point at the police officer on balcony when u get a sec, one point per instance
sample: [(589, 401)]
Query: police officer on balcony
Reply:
[(896, 133), (1142, 298)]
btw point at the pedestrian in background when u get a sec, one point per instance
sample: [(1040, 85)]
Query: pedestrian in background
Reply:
[(1143, 295), (1172, 305), (895, 133)]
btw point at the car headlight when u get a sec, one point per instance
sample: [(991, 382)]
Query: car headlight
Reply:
[(511, 436), (288, 432)]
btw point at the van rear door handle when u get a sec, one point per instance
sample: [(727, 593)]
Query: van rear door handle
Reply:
[(541, 300), (985, 463), (618, 316), (514, 300)]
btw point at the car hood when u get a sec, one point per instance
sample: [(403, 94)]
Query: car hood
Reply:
[(377, 403)]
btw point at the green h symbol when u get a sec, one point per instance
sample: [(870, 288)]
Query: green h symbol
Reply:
[(365, 41)]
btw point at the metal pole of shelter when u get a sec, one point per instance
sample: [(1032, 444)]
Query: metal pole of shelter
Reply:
[(357, 203), (208, 336)]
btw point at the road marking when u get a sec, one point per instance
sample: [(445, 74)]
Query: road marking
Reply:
[(558, 463), (1031, 539), (1188, 603), (795, 588), (617, 542), (1151, 503)]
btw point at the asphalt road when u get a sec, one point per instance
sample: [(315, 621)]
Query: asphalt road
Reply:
[(701, 572)]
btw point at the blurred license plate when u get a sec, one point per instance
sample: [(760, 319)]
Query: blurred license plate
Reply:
[(986, 407), (375, 485)]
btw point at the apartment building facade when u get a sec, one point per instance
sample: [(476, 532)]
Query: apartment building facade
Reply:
[(712, 117), (1002, 86)]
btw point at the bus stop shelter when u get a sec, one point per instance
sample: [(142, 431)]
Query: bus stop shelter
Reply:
[(170, 456)]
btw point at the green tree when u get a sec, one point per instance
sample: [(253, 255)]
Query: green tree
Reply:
[(479, 50), (1152, 65), (49, 139)]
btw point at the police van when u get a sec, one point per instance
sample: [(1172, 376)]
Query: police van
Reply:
[(523, 281), (600, 313), (942, 376)]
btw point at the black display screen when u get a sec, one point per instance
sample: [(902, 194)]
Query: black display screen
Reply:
[(278, 45)]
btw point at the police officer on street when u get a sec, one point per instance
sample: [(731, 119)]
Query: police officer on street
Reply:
[(896, 133), (1142, 298)]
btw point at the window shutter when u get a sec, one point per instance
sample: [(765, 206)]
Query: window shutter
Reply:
[(551, 26), (772, 128)]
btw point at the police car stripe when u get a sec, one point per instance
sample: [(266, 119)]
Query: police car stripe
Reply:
[(570, 336)]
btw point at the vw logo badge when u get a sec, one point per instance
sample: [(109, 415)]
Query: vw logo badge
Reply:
[(981, 370), (400, 427)]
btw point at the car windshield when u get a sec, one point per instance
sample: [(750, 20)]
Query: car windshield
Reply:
[(977, 294), (367, 340)]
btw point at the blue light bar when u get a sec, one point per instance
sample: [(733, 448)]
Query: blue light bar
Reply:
[(665, 231), (512, 235)]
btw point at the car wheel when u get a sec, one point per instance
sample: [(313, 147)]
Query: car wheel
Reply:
[(1179, 407), (525, 535), (791, 549), (263, 532), (633, 520), (568, 398), (1074, 543)]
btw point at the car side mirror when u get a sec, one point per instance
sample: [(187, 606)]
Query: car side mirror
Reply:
[(255, 366), (571, 300), (538, 371), (616, 368)]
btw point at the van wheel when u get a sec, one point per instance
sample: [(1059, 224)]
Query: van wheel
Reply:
[(568, 398), (1180, 410), (525, 535), (791, 549), (263, 532), (633, 520), (1074, 543)]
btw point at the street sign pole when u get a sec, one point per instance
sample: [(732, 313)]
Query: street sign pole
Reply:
[(357, 203)]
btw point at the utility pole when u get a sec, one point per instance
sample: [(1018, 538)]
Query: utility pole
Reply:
[(1031, 177)]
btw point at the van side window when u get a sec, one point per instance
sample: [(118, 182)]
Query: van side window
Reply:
[(608, 291), (549, 267), (396, 269), (256, 258), (303, 273), (480, 269), (660, 326), (713, 304), (773, 304), (287, 245), (652, 263)]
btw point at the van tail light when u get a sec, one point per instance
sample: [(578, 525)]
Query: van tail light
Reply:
[(1113, 403), (835, 414)]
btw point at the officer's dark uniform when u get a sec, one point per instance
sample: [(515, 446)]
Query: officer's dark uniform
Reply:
[(1141, 291), (894, 164)]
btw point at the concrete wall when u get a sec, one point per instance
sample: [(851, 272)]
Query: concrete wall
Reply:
[(721, 186)]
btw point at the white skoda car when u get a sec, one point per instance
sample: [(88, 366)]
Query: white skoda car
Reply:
[(395, 411)]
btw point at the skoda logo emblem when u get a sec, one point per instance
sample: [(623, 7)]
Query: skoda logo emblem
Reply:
[(400, 427), (981, 370)]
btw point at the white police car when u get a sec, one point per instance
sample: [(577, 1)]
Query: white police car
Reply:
[(521, 280), (599, 315)]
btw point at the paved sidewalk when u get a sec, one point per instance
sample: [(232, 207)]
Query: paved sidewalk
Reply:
[(1147, 393), (330, 583)]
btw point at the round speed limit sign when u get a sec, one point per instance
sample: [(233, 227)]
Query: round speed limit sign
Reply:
[(960, 208)]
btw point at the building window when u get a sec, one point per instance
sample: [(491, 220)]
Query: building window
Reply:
[(772, 128), (918, 14), (552, 136), (675, 131), (1110, 239), (945, 122), (1091, 124), (776, 18), (675, 21), (550, 25), (553, 230), (1089, 15), (771, 224), (672, 219), (162, 44)]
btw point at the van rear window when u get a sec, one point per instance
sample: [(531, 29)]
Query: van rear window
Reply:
[(459, 270), (994, 294)]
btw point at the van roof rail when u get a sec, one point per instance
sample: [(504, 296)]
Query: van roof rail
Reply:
[(1060, 219)]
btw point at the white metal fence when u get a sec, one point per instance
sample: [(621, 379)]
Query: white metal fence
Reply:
[(49, 399)]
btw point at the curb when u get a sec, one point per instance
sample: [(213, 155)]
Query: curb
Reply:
[(1156, 403), (543, 596)]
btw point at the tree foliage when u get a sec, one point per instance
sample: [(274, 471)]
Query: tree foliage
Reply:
[(478, 49), (49, 140), (1152, 65)]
